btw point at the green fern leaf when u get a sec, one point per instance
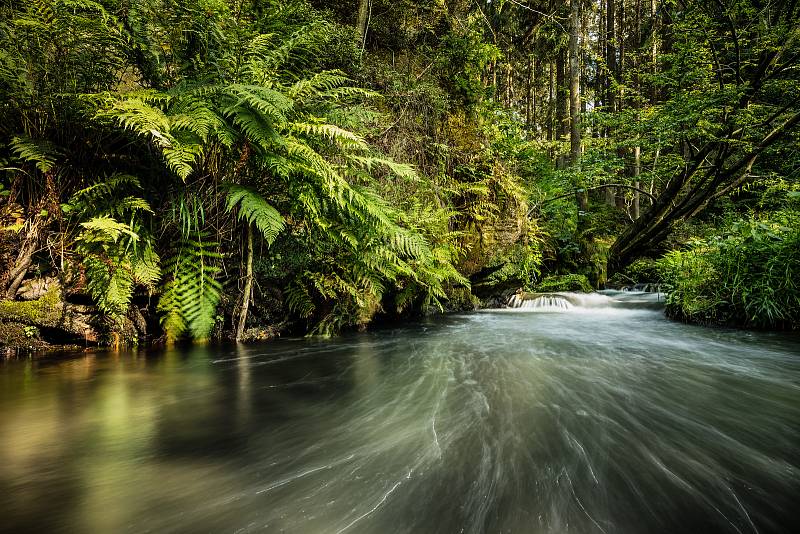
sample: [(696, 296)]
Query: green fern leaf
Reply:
[(43, 153), (255, 210)]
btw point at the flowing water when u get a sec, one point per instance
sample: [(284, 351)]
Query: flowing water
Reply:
[(598, 417)]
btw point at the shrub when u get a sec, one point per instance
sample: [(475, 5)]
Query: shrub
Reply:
[(744, 277)]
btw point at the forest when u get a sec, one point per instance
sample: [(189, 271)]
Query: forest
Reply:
[(175, 170)]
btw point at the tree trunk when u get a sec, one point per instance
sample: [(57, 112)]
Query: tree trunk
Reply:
[(655, 33), (535, 103), (529, 94), (16, 274), (600, 77), (637, 63), (550, 103), (562, 104), (683, 198), (363, 16), (248, 286), (637, 169), (574, 85), (611, 54)]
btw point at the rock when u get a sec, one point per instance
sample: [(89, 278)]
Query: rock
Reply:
[(35, 288), (65, 322)]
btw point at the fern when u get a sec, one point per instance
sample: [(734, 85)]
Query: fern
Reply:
[(145, 266), (146, 120), (38, 151), (191, 294), (330, 132), (261, 128), (114, 264), (110, 283), (105, 229), (255, 210), (117, 257), (103, 189), (320, 82)]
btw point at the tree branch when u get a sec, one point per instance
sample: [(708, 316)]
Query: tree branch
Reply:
[(593, 188)]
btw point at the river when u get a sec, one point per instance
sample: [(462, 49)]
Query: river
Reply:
[(604, 417)]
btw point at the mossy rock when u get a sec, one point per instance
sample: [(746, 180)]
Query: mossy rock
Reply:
[(461, 299), (16, 335), (565, 282), (32, 312), (56, 321)]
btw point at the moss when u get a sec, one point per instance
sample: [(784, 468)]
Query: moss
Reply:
[(45, 310), (58, 321), (566, 282), (597, 256), (461, 299)]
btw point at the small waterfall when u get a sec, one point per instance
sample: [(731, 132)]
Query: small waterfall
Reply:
[(547, 304), (603, 301)]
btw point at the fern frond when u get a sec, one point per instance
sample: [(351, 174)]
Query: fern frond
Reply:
[(255, 210), (109, 283), (145, 266), (320, 82), (191, 293), (269, 104), (180, 158), (330, 132), (105, 188), (264, 55), (141, 118), (196, 118), (106, 228), (299, 301), (39, 151), (401, 170)]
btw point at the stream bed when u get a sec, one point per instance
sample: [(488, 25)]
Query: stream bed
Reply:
[(600, 417)]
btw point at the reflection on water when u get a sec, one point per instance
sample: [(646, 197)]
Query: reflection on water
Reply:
[(604, 418)]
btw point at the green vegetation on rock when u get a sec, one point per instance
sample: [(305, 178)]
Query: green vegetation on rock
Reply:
[(566, 282)]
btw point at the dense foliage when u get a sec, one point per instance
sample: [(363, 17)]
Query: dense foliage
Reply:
[(746, 276), (208, 168)]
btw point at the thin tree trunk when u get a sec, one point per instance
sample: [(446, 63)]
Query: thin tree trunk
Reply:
[(654, 47), (600, 79), (611, 54), (363, 16), (574, 85), (537, 67), (551, 103), (621, 46), (248, 286), (562, 104), (637, 63), (509, 84), (529, 94), (637, 169), (14, 277)]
